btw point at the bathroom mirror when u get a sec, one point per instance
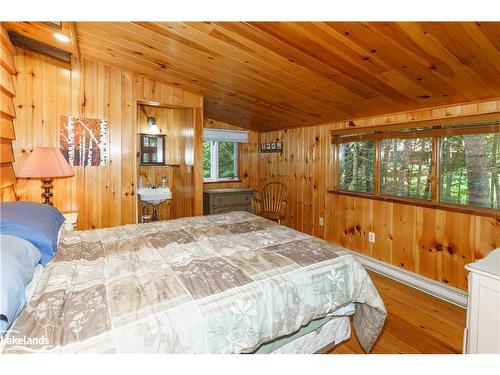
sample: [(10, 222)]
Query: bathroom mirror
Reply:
[(152, 149)]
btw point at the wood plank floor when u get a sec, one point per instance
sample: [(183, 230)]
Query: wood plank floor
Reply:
[(416, 323)]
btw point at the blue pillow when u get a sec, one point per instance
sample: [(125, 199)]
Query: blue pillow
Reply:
[(18, 259), (35, 222)]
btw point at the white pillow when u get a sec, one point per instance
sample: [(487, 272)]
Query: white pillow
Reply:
[(31, 287)]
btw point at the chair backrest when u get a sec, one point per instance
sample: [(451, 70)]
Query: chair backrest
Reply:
[(274, 196)]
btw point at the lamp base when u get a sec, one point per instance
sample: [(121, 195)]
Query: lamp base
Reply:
[(47, 190)]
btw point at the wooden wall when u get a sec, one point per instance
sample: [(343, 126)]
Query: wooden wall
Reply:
[(46, 89), (434, 243), (248, 158), (7, 114)]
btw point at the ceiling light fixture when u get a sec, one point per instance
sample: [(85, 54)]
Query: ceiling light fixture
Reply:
[(62, 37)]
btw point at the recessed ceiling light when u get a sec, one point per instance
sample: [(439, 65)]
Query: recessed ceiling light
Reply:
[(62, 37)]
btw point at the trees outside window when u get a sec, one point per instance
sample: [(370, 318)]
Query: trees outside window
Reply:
[(469, 169), (406, 167), (448, 166), (220, 160), (207, 171), (227, 159), (357, 166)]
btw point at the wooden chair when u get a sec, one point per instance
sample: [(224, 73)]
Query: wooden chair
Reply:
[(271, 203)]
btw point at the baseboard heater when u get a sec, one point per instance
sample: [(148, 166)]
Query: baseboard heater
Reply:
[(434, 288)]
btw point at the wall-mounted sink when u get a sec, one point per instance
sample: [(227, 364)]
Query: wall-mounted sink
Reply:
[(154, 196)]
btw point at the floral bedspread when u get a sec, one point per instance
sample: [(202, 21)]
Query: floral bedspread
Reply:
[(211, 284)]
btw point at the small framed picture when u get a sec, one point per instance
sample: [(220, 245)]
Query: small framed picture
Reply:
[(268, 146), (273, 145), (262, 147), (279, 146)]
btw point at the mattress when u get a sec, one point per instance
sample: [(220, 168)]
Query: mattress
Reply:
[(332, 333), (315, 336), (212, 284)]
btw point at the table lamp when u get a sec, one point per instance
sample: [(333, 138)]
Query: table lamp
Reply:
[(46, 163)]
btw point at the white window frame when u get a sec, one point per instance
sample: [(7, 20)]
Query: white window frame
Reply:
[(214, 163)]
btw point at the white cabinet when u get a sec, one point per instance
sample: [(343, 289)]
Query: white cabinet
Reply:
[(482, 334)]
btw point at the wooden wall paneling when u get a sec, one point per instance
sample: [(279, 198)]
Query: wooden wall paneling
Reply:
[(321, 178), (433, 242), (7, 115), (34, 97), (457, 247), (421, 117), (115, 148), (47, 89), (299, 178), (6, 105), (293, 139), (8, 176), (197, 179), (429, 250), (403, 236), (79, 183), (62, 97), (184, 190), (362, 225), (6, 82), (7, 57), (306, 186), (8, 194), (20, 123), (7, 126), (6, 153), (128, 202)]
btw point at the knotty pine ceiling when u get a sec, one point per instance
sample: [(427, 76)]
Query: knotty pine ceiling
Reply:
[(275, 75)]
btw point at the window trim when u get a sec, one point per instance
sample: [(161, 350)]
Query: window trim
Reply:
[(406, 131), (214, 164)]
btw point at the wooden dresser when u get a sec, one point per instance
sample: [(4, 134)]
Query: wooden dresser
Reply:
[(218, 201), (482, 335)]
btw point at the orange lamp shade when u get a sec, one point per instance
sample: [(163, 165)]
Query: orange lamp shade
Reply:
[(45, 162)]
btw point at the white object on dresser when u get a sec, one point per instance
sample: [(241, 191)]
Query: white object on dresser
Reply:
[(482, 334), (71, 219)]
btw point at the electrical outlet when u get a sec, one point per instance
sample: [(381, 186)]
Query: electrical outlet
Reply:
[(371, 237), (321, 221)]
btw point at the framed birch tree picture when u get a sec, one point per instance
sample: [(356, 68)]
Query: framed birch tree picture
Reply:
[(83, 141)]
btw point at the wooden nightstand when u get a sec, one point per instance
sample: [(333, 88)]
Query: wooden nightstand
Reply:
[(71, 220)]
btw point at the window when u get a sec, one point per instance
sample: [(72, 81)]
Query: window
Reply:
[(356, 166), (405, 167), (450, 166), (220, 160), (470, 169), (220, 153)]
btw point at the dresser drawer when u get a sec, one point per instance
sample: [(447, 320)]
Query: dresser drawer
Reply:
[(222, 210), (218, 201), (231, 200)]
